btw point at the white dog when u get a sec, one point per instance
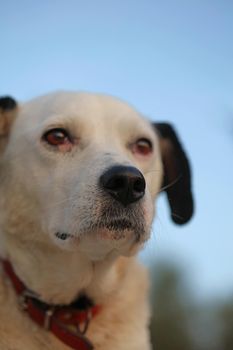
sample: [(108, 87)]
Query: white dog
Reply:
[(79, 176)]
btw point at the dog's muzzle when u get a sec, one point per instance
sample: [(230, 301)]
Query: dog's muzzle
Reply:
[(126, 184)]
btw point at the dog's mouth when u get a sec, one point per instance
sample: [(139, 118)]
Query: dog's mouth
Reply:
[(115, 229), (119, 229), (112, 224), (117, 224)]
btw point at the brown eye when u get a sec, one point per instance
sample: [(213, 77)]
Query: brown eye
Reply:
[(143, 147), (57, 137)]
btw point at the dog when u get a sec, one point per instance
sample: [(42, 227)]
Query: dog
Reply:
[(80, 173)]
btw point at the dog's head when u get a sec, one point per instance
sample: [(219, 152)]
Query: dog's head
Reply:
[(84, 170)]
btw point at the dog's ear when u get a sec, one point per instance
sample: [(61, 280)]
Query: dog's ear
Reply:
[(8, 111), (177, 174)]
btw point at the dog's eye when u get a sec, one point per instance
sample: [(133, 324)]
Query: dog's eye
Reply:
[(57, 137), (143, 147)]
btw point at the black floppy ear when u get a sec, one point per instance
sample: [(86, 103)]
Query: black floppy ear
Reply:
[(8, 111), (7, 103), (177, 174)]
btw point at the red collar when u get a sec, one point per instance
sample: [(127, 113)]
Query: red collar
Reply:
[(68, 323)]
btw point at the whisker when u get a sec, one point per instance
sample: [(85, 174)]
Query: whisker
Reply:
[(170, 184), (178, 216)]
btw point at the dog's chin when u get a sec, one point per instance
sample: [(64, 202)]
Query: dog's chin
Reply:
[(107, 243), (102, 242)]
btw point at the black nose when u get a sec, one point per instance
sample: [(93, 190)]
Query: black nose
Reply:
[(124, 183)]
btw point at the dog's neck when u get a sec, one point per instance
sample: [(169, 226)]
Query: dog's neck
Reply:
[(59, 277)]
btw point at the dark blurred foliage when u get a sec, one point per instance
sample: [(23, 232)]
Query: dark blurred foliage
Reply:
[(226, 319), (180, 321)]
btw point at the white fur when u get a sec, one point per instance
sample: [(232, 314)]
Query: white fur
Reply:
[(45, 191)]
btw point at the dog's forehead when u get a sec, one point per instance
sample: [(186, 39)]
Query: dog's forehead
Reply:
[(83, 108)]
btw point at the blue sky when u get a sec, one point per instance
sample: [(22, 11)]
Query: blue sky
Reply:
[(171, 59)]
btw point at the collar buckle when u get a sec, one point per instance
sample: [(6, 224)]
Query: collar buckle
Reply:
[(48, 316), (84, 329), (23, 303)]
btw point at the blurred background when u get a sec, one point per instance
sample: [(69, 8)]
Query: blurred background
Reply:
[(172, 60)]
